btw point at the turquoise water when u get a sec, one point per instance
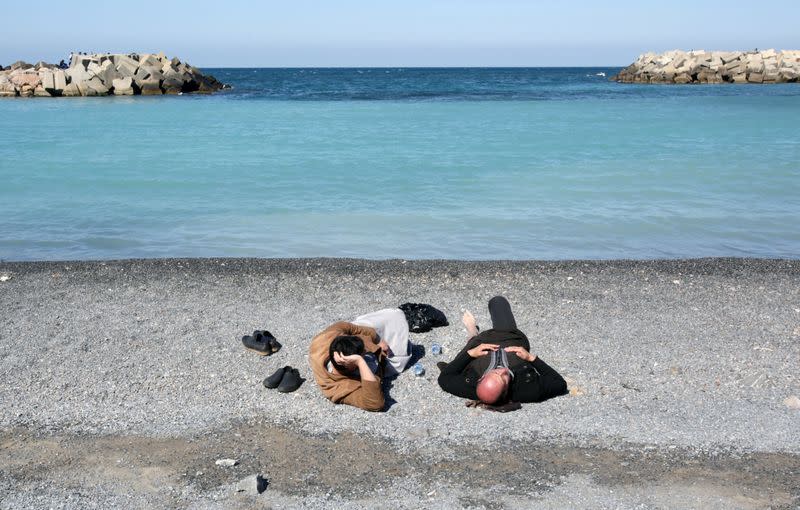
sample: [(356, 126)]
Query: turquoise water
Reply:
[(465, 164)]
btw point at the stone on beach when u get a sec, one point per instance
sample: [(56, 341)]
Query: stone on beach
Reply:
[(226, 462), (252, 485)]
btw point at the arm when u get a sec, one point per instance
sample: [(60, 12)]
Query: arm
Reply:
[(553, 385), (348, 328), (453, 380), (527, 388), (370, 395), (356, 362)]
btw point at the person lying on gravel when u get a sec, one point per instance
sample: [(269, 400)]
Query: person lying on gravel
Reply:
[(348, 361), (496, 366)]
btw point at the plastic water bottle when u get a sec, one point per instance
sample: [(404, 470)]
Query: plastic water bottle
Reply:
[(419, 370), (436, 349)]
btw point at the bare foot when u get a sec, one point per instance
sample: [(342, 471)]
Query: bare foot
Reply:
[(469, 322)]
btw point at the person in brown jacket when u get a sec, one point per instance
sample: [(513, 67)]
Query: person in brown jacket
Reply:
[(356, 356)]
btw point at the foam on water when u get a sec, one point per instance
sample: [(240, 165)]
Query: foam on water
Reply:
[(413, 163)]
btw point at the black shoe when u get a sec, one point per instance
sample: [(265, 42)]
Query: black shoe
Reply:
[(257, 343), (441, 365), (291, 381), (274, 380), (274, 345)]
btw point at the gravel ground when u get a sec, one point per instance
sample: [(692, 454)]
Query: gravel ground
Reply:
[(696, 356)]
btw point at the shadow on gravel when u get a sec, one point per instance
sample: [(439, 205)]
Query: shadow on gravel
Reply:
[(318, 465), (417, 353)]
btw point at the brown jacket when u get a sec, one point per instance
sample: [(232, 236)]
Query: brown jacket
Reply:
[(338, 388)]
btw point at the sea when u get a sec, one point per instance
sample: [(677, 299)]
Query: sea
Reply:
[(408, 163)]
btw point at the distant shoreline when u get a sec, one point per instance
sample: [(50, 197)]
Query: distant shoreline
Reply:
[(705, 265)]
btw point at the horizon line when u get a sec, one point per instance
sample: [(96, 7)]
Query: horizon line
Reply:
[(411, 67)]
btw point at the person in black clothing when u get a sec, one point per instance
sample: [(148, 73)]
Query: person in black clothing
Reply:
[(496, 366)]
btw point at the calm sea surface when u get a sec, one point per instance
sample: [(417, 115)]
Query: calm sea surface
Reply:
[(406, 163)]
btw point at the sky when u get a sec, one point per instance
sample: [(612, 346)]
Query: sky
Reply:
[(378, 33)]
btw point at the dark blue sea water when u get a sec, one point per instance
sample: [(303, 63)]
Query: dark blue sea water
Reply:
[(409, 163)]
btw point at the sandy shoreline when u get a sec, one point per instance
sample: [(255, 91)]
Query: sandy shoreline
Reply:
[(693, 357)]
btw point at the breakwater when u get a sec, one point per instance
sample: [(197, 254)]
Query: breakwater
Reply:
[(103, 74), (699, 66)]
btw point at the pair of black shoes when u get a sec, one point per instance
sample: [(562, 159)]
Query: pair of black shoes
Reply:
[(261, 342), (286, 380)]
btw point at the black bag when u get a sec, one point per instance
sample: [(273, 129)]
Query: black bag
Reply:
[(422, 318)]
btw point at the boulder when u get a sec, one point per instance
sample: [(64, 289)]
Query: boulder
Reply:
[(26, 78), (755, 64), (148, 60), (78, 74), (740, 78), (25, 90), (123, 86), (71, 90), (125, 65), (93, 67), (770, 53), (80, 61), (127, 68), (140, 76), (683, 78), (730, 56), (206, 86), (93, 87), (172, 85), (59, 80), (150, 87), (108, 73), (755, 78), (48, 79), (253, 485), (155, 73), (20, 64), (7, 89), (789, 75), (40, 91)]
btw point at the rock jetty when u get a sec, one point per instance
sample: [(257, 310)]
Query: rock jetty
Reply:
[(698, 66), (103, 74)]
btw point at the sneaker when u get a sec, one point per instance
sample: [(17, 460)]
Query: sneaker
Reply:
[(291, 381), (274, 380), (257, 342)]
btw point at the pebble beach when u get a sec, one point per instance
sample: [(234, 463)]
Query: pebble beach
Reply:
[(124, 381)]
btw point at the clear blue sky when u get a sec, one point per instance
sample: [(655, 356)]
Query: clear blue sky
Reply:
[(394, 33)]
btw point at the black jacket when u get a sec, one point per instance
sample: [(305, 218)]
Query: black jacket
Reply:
[(533, 381)]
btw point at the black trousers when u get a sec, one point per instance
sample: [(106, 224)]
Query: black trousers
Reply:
[(500, 311)]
